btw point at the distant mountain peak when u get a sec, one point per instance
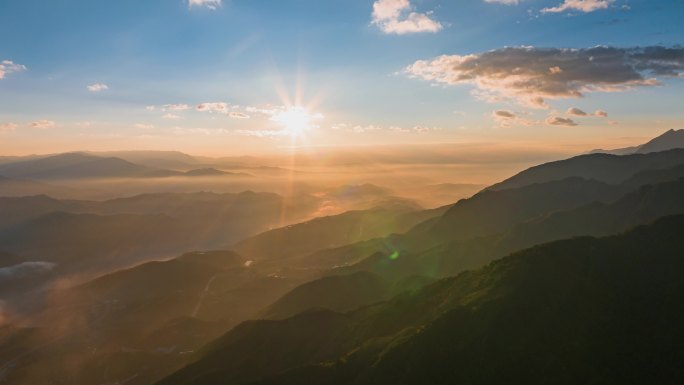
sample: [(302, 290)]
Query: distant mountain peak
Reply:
[(667, 141)]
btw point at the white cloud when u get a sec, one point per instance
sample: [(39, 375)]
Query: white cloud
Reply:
[(150, 108), (43, 124), (222, 108), (7, 67), (170, 116), (144, 126), (211, 4), (579, 5), (530, 75), (97, 87), (262, 133), (398, 17), (238, 115), (175, 107), (6, 127)]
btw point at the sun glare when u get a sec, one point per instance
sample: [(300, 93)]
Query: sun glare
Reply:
[(296, 120)]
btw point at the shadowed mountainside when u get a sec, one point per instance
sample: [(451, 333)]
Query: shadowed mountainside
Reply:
[(573, 311), (602, 167)]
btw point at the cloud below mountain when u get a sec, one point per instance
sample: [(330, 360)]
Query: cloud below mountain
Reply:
[(25, 269)]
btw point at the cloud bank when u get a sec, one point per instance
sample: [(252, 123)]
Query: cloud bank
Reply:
[(397, 17), (530, 75)]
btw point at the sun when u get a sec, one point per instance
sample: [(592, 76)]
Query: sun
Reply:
[(295, 121)]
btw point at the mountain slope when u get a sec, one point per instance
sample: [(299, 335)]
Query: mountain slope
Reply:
[(493, 211), (73, 166), (602, 167), (667, 141), (143, 320), (333, 231), (453, 256), (150, 225), (584, 310), (339, 293)]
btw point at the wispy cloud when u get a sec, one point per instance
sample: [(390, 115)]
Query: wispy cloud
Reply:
[(7, 67), (579, 5), (601, 113), (238, 115), (507, 2), (5, 127), (360, 129), (143, 126), (530, 75), (398, 17), (211, 4), (222, 108), (507, 118), (97, 87), (170, 116), (262, 133), (175, 107), (43, 124)]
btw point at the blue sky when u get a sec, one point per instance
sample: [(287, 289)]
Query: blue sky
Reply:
[(256, 56)]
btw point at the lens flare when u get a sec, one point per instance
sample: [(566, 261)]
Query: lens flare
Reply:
[(296, 121)]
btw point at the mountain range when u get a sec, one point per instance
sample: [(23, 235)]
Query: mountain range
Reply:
[(567, 272), (74, 166)]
